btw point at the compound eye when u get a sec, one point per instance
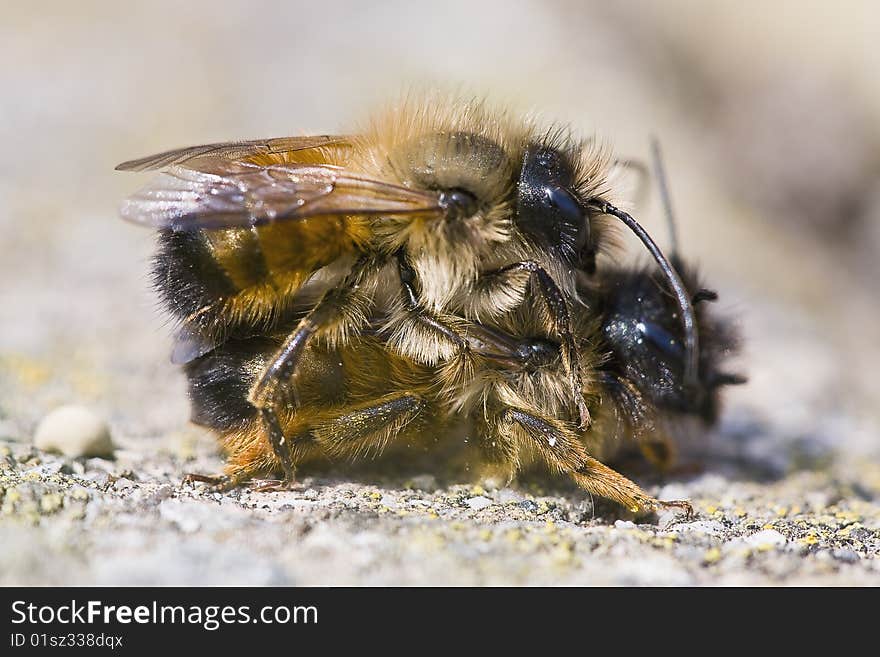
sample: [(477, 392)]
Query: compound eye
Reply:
[(459, 203), (662, 339), (571, 212), (547, 210)]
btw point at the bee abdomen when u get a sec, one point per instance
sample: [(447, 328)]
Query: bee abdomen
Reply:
[(186, 274), (219, 383)]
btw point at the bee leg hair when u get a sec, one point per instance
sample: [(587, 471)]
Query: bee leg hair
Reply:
[(328, 312), (564, 452), (411, 303), (561, 318), (368, 427)]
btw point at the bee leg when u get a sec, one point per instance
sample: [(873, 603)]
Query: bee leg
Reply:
[(195, 478), (341, 306), (427, 321), (281, 448), (272, 485), (561, 318), (368, 427), (216, 483), (341, 309), (563, 452)]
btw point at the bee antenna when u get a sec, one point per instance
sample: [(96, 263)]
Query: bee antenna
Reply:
[(691, 341), (665, 197)]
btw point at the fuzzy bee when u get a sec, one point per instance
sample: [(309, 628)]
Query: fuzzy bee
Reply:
[(360, 399), (440, 216)]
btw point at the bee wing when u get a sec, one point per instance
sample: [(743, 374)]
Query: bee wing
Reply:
[(190, 344), (232, 150), (224, 193)]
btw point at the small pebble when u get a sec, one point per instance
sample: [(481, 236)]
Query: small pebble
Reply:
[(478, 502), (74, 431), (102, 479), (625, 524), (709, 527), (529, 505), (123, 484), (766, 539), (846, 555)]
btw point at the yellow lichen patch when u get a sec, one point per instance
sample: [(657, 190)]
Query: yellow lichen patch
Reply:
[(10, 499), (80, 494), (712, 555), (51, 502), (848, 516), (664, 542), (809, 539), (30, 373), (562, 553), (513, 536)]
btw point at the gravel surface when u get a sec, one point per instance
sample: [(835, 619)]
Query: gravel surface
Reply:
[(130, 521), (786, 489)]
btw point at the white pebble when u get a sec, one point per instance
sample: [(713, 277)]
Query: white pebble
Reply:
[(710, 527), (478, 502), (74, 431), (389, 501), (766, 539)]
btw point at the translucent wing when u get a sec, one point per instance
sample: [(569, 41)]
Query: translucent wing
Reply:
[(223, 193), (232, 150)]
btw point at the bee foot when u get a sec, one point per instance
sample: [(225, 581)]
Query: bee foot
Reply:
[(684, 505), (273, 485), (216, 483)]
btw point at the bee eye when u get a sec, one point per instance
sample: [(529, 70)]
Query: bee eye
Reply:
[(571, 212), (546, 209), (662, 339), (459, 203)]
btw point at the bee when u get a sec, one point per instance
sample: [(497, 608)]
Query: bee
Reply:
[(359, 399), (441, 214)]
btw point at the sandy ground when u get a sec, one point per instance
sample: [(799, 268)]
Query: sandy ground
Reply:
[(774, 157)]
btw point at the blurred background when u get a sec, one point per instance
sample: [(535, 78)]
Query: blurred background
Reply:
[(769, 115)]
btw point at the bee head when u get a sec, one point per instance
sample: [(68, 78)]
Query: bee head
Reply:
[(642, 330), (548, 210)]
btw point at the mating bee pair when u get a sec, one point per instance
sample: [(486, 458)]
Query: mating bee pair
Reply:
[(436, 273)]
